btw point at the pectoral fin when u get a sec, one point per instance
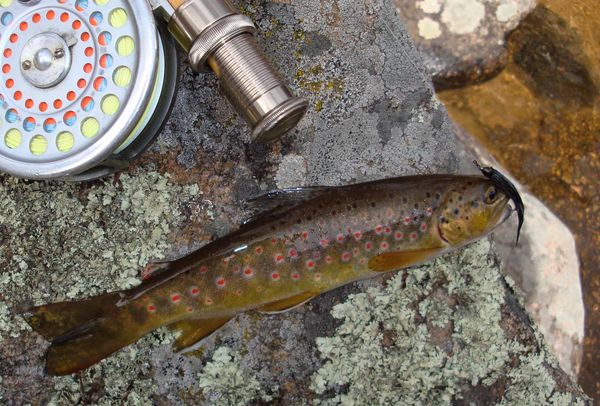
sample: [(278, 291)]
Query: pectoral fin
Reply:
[(194, 330), (284, 305), (391, 261)]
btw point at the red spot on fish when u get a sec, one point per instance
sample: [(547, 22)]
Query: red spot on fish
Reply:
[(208, 301), (305, 235), (346, 256), (369, 246), (423, 226), (398, 235), (378, 229), (273, 241), (238, 292), (328, 259), (275, 276), (194, 291), (203, 269), (384, 245), (317, 255), (258, 250), (151, 308), (295, 276), (220, 282), (236, 268), (363, 261), (279, 258), (407, 220), (355, 251), (324, 243), (429, 211), (226, 261), (248, 272), (293, 253), (357, 235), (310, 264), (340, 237), (413, 236), (189, 309), (317, 276), (388, 231), (175, 297)]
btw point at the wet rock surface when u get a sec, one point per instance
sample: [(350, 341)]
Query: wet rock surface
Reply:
[(367, 122), (539, 118), (462, 41)]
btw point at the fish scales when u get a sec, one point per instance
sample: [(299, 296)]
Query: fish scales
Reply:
[(310, 241), (328, 243)]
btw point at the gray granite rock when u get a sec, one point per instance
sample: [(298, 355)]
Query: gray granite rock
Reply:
[(374, 114), (462, 41)]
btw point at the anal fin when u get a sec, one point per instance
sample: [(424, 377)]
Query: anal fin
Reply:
[(193, 330), (289, 303), (391, 261)]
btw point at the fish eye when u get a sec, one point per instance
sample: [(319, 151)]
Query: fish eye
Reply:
[(490, 195)]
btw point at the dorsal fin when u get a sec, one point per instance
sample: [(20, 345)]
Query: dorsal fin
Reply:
[(280, 200)]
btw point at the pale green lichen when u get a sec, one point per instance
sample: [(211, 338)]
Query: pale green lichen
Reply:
[(532, 384), (59, 243), (224, 382), (385, 351)]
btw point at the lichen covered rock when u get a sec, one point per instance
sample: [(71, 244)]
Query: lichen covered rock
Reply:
[(367, 121), (438, 334)]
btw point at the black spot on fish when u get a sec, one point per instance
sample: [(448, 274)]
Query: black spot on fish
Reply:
[(438, 196), (456, 211), (427, 195), (460, 198), (373, 204), (416, 205)]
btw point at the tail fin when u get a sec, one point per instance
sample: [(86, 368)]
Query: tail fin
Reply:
[(82, 333)]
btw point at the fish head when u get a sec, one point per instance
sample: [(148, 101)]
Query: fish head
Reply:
[(471, 210)]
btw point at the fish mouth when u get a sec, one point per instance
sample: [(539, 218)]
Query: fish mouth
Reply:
[(509, 189), (506, 213)]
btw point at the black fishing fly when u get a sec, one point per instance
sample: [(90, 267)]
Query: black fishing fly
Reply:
[(506, 186)]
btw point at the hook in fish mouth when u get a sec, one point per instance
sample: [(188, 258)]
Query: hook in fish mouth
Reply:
[(508, 188)]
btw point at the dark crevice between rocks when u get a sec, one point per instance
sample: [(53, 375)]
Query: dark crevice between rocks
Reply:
[(545, 49)]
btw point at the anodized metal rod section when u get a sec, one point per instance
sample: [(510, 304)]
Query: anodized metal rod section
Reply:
[(220, 39)]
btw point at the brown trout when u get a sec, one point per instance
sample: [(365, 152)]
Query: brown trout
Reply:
[(308, 241)]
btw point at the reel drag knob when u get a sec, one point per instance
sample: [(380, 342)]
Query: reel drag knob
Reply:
[(218, 37)]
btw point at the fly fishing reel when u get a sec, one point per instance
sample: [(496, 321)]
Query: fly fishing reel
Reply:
[(88, 84)]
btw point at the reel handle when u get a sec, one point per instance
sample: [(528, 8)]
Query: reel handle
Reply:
[(219, 38)]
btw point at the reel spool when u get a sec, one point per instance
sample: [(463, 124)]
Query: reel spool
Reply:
[(86, 85)]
